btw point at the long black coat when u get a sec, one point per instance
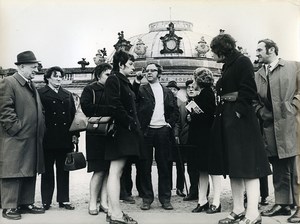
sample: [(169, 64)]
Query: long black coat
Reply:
[(200, 125), (95, 144), (128, 139), (59, 114), (238, 148)]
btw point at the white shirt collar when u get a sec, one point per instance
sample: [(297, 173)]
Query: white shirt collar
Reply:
[(273, 64), (53, 88)]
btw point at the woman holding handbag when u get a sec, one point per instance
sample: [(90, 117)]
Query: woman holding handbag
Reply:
[(92, 102), (127, 140), (59, 109)]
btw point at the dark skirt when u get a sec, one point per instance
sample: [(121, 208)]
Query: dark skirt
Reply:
[(237, 145), (125, 144), (97, 165), (95, 153)]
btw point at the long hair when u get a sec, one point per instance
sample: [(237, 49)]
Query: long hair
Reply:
[(121, 58), (223, 45)]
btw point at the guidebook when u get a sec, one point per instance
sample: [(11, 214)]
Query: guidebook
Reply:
[(192, 106)]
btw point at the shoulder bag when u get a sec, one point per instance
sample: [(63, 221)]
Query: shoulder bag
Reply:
[(102, 125)]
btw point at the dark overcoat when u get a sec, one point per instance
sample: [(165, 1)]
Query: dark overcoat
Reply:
[(237, 144), (59, 114), (22, 128), (200, 126), (128, 139), (92, 102)]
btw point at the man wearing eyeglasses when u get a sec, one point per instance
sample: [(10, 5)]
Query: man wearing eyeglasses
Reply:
[(158, 113)]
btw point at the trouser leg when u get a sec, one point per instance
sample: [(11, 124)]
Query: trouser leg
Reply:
[(163, 146), (62, 177), (47, 180), (282, 172)]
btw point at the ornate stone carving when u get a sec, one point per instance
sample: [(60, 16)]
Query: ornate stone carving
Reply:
[(140, 48), (122, 43), (83, 63), (202, 48), (100, 56), (171, 41)]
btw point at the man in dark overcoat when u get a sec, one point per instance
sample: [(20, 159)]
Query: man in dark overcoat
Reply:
[(158, 112), (21, 135)]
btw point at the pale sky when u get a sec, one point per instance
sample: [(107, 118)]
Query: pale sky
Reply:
[(61, 32)]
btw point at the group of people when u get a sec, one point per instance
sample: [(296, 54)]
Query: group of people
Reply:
[(235, 128)]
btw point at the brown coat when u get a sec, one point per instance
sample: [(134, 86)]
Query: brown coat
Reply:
[(280, 135), (22, 129)]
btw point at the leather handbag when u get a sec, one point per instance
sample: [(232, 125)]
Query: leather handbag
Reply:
[(75, 160), (104, 126), (79, 122)]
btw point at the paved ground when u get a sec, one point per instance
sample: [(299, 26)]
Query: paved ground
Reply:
[(79, 192)]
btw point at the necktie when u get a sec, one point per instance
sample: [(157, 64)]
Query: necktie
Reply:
[(268, 80)]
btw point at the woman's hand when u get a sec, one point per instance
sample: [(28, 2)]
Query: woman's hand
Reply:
[(75, 139)]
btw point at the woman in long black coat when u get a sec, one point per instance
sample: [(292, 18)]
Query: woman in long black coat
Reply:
[(127, 140), (238, 147), (200, 135), (92, 102)]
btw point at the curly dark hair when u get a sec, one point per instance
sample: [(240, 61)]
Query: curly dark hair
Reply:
[(223, 45), (121, 57), (53, 70)]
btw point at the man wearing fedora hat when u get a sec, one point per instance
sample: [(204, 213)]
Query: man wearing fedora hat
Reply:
[(21, 134), (177, 152)]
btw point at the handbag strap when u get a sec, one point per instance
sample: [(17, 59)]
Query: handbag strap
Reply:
[(94, 100)]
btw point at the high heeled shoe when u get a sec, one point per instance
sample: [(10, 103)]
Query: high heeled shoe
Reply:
[(200, 208), (102, 209), (245, 220), (213, 209), (232, 218)]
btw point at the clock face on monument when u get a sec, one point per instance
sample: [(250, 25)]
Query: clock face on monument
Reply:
[(171, 44)]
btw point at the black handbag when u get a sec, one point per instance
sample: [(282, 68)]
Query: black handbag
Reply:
[(104, 126), (74, 160)]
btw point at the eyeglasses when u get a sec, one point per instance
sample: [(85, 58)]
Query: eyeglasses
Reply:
[(151, 70)]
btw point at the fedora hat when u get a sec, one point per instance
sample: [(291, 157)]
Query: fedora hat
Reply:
[(173, 84), (26, 57)]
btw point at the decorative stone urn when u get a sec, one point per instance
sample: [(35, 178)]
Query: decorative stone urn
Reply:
[(202, 48), (140, 48)]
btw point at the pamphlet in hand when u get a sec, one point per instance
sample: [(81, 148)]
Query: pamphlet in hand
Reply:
[(193, 107)]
